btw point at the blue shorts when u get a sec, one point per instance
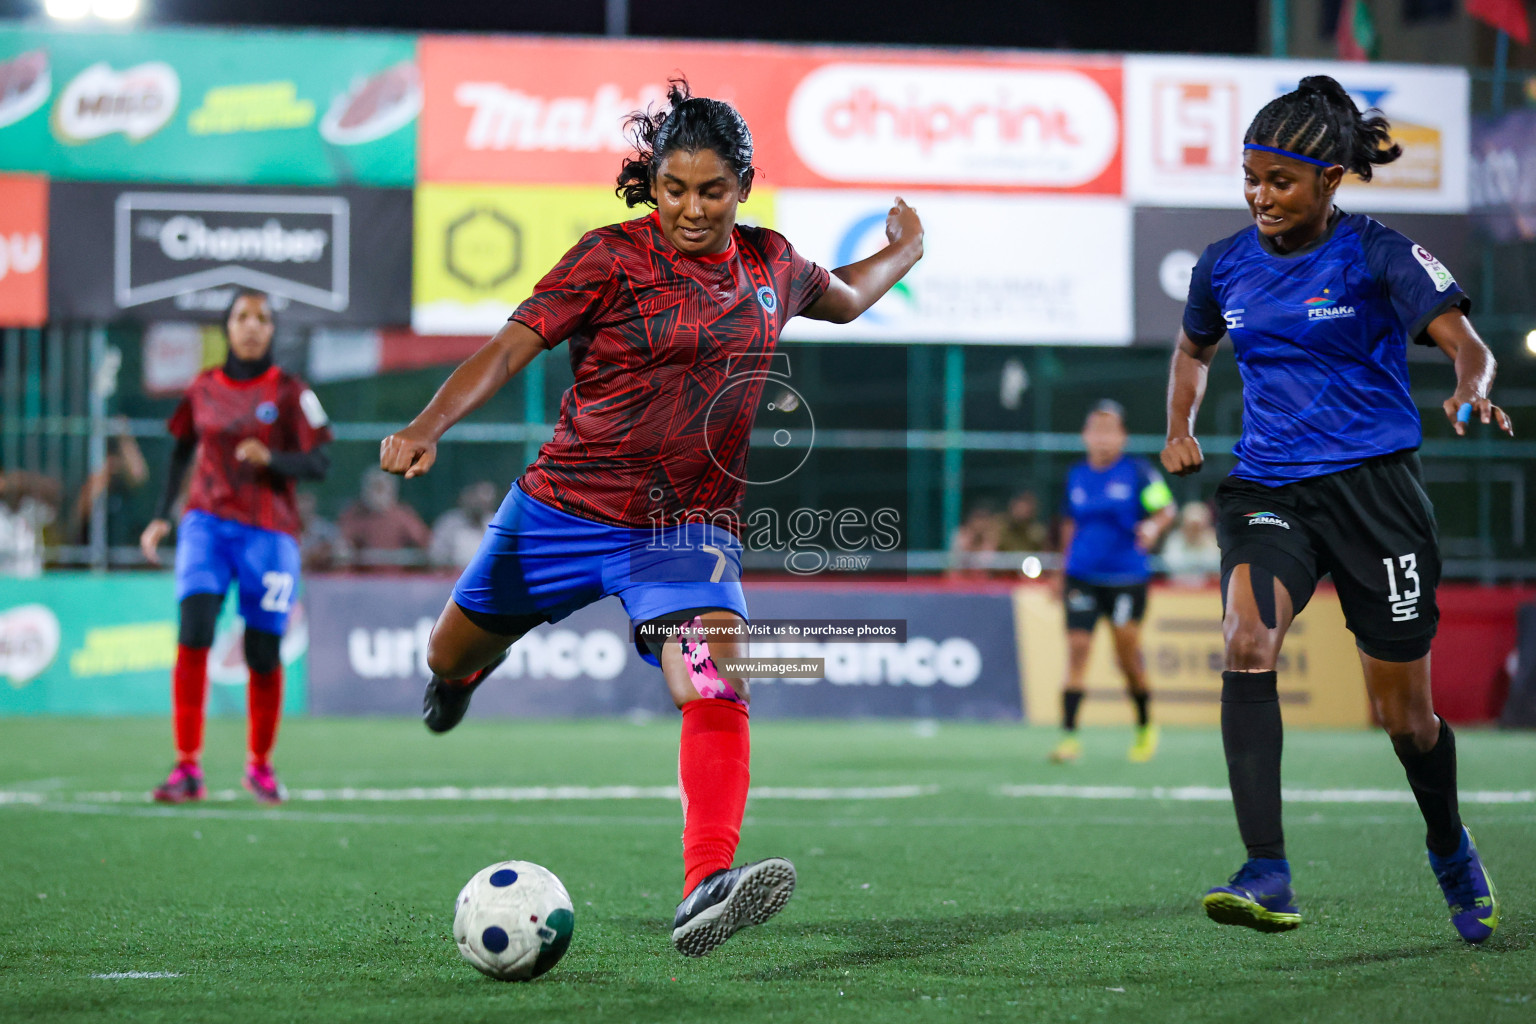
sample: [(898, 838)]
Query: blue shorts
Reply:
[(211, 551), (537, 560)]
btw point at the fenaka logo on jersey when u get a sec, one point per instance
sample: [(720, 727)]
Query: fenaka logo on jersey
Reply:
[(100, 101), (191, 246), (1434, 268), (1019, 127), (1321, 307), (1266, 519)]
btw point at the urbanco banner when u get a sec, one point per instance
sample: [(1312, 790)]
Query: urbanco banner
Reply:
[(545, 111), (260, 108), (996, 269), (138, 252), (1185, 118), (958, 659)]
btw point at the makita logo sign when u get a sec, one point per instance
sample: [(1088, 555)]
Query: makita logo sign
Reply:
[(174, 245), (1045, 128), (503, 118)]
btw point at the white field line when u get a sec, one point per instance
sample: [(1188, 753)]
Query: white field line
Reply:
[(490, 794), (1220, 794), (121, 975)]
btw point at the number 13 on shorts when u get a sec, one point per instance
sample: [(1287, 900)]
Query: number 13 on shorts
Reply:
[(1404, 597)]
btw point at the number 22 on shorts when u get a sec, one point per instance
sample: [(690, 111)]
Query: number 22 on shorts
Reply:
[(279, 587), (1404, 602)]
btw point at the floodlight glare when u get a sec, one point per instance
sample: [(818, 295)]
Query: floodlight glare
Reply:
[(1530, 343), (67, 10), (115, 10)]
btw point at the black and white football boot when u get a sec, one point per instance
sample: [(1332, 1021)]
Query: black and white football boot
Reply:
[(444, 704), (730, 900)]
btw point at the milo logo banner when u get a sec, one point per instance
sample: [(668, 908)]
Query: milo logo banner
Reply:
[(272, 108), (155, 252)]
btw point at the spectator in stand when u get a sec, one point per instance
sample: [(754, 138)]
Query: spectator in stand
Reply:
[(1022, 529), (456, 534), (378, 527), (1191, 557), (321, 545), (123, 471), (29, 503), (975, 539)]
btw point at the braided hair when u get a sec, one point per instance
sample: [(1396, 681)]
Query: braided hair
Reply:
[(690, 124), (1320, 121)]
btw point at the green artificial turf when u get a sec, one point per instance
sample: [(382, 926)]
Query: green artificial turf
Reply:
[(958, 904)]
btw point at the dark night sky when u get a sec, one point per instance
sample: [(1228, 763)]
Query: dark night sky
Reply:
[(1198, 26)]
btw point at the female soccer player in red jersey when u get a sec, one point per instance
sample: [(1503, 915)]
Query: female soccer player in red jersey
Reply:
[(248, 431), (671, 319)]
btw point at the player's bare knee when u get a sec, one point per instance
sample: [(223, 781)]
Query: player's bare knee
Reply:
[(1250, 647)]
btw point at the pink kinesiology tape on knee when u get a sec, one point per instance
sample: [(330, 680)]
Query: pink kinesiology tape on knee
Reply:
[(702, 671)]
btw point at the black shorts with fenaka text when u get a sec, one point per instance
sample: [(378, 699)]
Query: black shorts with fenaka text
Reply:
[(1371, 527)]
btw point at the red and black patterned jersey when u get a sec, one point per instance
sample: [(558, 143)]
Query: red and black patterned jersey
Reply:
[(278, 410), (669, 353)]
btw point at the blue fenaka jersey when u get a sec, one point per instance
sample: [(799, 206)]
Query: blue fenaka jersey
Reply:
[(1321, 337), (1105, 506)]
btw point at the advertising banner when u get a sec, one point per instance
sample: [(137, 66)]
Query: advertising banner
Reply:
[(1002, 269), (1169, 242), (1185, 118), (162, 252), (1320, 679), (958, 660), (277, 108), (23, 251), (84, 644), (480, 249), (1504, 175), (547, 110)]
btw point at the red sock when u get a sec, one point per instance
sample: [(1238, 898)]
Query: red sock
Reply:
[(264, 697), (712, 772), (189, 688)]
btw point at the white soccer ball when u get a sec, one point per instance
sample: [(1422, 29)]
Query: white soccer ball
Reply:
[(513, 920)]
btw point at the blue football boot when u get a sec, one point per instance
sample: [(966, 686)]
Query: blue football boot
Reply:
[(1468, 890), (1259, 896)]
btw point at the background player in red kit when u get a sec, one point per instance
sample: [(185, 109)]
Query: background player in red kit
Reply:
[(248, 430), (667, 317)]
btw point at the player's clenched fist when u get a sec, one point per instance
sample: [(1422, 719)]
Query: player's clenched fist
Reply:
[(1182, 456), (902, 224), (406, 454)]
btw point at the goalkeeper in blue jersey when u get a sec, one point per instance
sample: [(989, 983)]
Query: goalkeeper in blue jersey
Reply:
[(1115, 510), (1321, 306)]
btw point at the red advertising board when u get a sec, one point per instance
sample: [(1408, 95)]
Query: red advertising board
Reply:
[(23, 251), (551, 112)]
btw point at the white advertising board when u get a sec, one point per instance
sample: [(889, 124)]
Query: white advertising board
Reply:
[(1001, 269), (1185, 118)]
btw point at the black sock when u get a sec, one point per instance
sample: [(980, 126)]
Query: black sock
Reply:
[(1252, 736), (1432, 775), (1140, 700), (1071, 700)]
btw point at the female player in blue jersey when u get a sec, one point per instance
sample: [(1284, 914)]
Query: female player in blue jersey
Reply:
[(1321, 306), (671, 319), (1115, 509)]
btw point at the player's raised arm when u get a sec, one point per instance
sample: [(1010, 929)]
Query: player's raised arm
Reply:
[(1186, 387), (856, 287), (1475, 367), (412, 450)]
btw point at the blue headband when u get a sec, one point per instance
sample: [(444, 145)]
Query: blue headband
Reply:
[(1294, 156)]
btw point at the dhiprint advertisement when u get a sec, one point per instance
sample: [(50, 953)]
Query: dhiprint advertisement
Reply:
[(999, 269), (540, 111), (278, 108), (1185, 118), (23, 251), (167, 253)]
